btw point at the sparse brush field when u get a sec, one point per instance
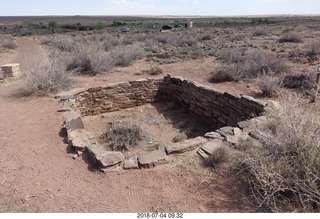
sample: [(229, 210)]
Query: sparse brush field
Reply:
[(269, 58)]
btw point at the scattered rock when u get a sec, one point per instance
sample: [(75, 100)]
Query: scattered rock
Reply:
[(213, 135), (73, 121), (65, 109), (153, 159), (211, 146), (81, 142), (203, 154), (186, 145), (110, 158), (262, 138), (246, 123), (227, 130), (66, 97), (237, 131), (273, 106), (131, 163), (72, 134)]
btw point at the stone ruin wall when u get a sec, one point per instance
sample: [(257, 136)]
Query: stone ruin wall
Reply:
[(231, 116), (109, 98), (221, 109)]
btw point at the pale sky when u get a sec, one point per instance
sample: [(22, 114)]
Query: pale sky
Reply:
[(158, 7)]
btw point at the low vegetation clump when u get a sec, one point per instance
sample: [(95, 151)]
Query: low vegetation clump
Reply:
[(252, 64), (259, 32), (154, 70), (290, 38), (284, 175), (299, 82), (218, 157), (269, 86), (122, 136), (49, 77), (313, 52), (90, 60), (7, 42), (125, 55)]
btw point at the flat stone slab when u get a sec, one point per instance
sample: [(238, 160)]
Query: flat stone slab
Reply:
[(73, 121), (81, 142), (227, 130), (131, 163), (186, 145), (213, 135), (72, 134), (96, 149), (66, 97), (153, 159), (110, 158), (203, 154), (211, 146)]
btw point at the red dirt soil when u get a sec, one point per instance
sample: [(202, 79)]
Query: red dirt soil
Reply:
[(38, 174)]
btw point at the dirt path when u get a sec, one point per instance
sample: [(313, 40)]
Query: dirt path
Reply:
[(37, 174)]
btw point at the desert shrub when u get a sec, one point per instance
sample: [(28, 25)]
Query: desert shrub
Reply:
[(125, 55), (313, 52), (299, 82), (295, 54), (285, 176), (196, 53), (219, 156), (90, 60), (287, 29), (251, 65), (7, 42), (225, 72), (269, 86), (155, 70), (260, 62), (259, 32), (49, 77), (290, 38), (205, 37), (64, 44), (122, 136), (238, 37), (45, 40), (232, 55)]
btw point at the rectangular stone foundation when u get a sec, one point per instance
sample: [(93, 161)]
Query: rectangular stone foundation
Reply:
[(10, 70)]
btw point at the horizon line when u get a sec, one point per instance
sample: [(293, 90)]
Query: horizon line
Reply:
[(75, 15)]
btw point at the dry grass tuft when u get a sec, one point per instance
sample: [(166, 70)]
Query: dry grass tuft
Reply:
[(7, 42), (290, 38), (269, 86), (122, 136), (49, 77), (285, 176)]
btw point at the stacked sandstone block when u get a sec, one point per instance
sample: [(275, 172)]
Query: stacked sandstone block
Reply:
[(10, 70), (217, 108), (109, 98)]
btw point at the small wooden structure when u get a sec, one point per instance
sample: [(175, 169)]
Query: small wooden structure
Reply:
[(10, 70)]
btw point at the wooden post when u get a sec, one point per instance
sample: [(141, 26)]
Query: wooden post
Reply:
[(316, 88)]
